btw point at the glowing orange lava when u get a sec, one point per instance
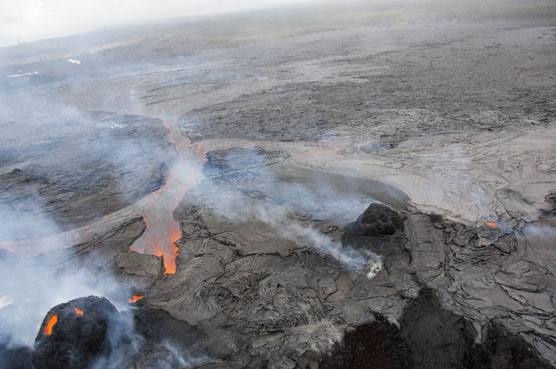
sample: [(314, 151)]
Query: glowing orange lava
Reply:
[(162, 230), (77, 311), (171, 266), (367, 225), (157, 209), (53, 320), (135, 299), (157, 250), (490, 224)]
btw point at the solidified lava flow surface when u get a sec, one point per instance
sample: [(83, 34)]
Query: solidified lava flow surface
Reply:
[(355, 185)]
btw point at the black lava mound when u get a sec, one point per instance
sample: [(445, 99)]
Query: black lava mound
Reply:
[(379, 229), (377, 220), (75, 333)]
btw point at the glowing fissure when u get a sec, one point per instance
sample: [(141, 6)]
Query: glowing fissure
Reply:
[(490, 224), (77, 311), (51, 323), (135, 299)]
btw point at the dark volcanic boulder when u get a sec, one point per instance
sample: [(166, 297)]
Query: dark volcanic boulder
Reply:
[(75, 333), (377, 220), (18, 357), (378, 229)]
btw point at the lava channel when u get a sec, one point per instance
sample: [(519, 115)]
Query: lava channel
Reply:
[(162, 230)]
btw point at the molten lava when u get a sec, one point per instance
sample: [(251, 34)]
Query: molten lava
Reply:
[(135, 299), (171, 266), (162, 230), (490, 224), (51, 323), (77, 311)]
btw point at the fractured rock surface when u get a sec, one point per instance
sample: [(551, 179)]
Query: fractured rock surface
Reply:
[(445, 128)]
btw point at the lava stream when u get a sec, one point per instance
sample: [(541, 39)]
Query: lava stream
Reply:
[(135, 299), (162, 230), (51, 323)]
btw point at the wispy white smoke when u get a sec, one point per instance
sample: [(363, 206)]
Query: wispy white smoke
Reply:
[(308, 236), (31, 288), (285, 200)]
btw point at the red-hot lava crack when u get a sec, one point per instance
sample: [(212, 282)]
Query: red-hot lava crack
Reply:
[(51, 323)]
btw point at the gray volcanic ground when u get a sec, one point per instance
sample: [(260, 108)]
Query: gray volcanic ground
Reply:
[(348, 186)]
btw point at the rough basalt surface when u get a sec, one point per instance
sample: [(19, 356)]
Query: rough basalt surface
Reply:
[(429, 336), (273, 301), (445, 127)]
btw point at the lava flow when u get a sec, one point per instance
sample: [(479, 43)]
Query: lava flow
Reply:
[(51, 323), (162, 230), (77, 311), (135, 299), (490, 224)]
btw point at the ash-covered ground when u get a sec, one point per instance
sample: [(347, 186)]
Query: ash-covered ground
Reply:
[(358, 186)]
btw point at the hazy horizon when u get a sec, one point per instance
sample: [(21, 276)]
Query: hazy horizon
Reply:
[(33, 20)]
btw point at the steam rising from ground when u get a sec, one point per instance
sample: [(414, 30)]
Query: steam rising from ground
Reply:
[(352, 259), (55, 159), (283, 205), (281, 221), (63, 155), (33, 285)]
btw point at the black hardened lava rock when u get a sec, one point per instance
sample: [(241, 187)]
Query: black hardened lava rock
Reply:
[(379, 229), (377, 220), (433, 338), (502, 350), (79, 335), (376, 345), (381, 220), (551, 201), (18, 357), (439, 338)]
